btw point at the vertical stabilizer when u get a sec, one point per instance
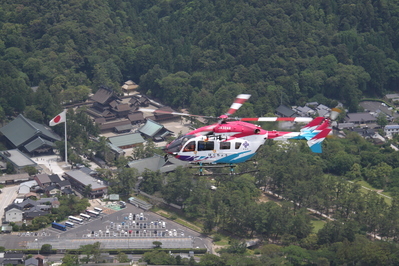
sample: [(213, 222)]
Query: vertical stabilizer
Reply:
[(315, 142)]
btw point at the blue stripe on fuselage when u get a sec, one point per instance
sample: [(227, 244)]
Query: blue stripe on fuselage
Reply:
[(234, 158)]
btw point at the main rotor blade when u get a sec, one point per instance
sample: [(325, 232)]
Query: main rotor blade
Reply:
[(239, 101), (172, 113), (275, 119)]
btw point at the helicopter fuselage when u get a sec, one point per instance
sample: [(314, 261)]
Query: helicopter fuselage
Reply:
[(226, 143)]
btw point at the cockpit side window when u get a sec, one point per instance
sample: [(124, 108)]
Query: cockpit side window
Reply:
[(225, 145), (190, 147), (177, 144), (238, 145), (206, 145)]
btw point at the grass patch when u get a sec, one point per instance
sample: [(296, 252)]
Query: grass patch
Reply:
[(155, 208), (365, 185), (386, 193), (189, 225), (222, 242), (387, 200), (179, 220), (164, 213), (317, 225)]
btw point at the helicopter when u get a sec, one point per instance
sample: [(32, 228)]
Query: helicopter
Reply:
[(234, 140)]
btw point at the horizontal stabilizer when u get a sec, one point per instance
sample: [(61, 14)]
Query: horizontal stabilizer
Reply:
[(313, 124)]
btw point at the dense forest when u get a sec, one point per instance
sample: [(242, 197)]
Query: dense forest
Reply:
[(199, 55)]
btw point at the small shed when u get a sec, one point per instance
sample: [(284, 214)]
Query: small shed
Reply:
[(113, 197), (6, 228)]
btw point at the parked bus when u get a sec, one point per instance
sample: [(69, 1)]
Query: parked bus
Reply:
[(92, 213), (58, 226), (75, 219), (85, 216), (99, 210), (69, 224)]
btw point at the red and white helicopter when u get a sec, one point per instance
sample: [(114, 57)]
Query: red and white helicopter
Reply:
[(232, 140)]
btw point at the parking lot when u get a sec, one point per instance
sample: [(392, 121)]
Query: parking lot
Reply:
[(135, 225), (130, 227)]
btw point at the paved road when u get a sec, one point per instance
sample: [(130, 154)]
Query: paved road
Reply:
[(7, 197)]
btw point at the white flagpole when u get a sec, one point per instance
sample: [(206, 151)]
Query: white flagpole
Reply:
[(66, 145)]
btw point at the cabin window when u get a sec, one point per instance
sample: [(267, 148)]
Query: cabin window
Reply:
[(225, 145), (206, 145), (238, 145), (190, 147)]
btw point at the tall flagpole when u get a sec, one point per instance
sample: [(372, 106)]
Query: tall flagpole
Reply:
[(66, 145)]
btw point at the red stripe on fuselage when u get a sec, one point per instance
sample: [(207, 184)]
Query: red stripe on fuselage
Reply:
[(276, 134)]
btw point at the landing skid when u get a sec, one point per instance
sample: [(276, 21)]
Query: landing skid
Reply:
[(201, 169)]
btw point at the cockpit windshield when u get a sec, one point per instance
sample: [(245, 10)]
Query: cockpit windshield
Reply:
[(177, 144)]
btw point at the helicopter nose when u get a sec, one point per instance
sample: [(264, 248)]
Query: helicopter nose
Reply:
[(172, 148), (166, 150), (169, 148)]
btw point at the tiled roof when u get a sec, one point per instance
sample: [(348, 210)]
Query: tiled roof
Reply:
[(21, 129), (155, 163), (18, 158), (125, 140), (85, 179), (136, 116), (285, 111), (102, 95), (54, 178), (43, 178), (151, 128), (37, 143), (114, 124)]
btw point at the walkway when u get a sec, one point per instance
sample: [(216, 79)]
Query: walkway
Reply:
[(51, 164)]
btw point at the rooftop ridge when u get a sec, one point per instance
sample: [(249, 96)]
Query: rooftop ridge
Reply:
[(28, 121)]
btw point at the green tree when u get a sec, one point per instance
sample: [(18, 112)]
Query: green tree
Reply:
[(87, 191), (91, 252), (179, 186), (70, 260), (152, 181), (382, 120), (31, 170), (46, 249), (158, 257), (125, 182), (34, 114), (297, 255), (236, 246), (157, 244), (176, 89), (103, 149), (10, 168), (122, 257)]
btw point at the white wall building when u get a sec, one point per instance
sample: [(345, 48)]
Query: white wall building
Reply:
[(13, 214)]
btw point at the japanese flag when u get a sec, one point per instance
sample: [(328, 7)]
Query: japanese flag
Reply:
[(60, 118)]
